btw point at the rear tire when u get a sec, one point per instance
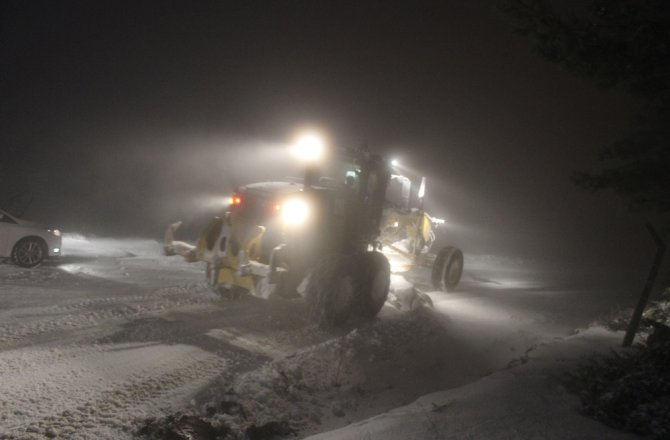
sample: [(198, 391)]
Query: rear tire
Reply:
[(447, 269), (375, 280), (29, 252)]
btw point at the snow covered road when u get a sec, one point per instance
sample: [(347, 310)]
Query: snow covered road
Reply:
[(110, 333), (114, 333)]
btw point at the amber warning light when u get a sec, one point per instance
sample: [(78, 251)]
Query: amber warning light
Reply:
[(236, 200)]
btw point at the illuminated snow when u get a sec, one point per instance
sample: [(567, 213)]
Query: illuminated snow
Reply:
[(63, 372)]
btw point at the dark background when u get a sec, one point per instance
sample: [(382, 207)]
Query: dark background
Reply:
[(119, 117)]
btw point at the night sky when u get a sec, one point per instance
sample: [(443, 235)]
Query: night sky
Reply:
[(118, 117)]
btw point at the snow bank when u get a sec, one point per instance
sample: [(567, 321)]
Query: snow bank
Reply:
[(524, 402)]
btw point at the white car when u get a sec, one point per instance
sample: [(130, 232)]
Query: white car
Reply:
[(27, 243)]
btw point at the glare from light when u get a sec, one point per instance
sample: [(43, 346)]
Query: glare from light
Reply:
[(422, 188), (395, 163), (400, 266), (56, 250), (436, 221), (295, 212), (309, 147), (210, 202)]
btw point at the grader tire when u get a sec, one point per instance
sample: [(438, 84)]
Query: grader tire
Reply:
[(331, 291), (447, 269), (374, 273)]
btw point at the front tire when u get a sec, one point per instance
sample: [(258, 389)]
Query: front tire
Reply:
[(447, 269), (375, 281), (29, 252), (331, 291)]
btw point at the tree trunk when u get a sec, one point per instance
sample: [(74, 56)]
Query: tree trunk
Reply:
[(644, 298)]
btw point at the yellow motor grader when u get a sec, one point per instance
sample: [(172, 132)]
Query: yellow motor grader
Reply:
[(327, 237)]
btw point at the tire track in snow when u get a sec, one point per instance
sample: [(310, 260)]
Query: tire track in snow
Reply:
[(74, 397), (91, 312)]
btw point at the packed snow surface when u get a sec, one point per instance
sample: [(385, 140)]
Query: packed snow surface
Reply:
[(526, 402), (113, 333)]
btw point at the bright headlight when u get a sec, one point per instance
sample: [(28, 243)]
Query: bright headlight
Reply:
[(309, 147), (295, 212), (55, 232)]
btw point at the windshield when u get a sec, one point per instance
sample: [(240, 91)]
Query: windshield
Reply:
[(16, 204), (338, 172), (12, 212)]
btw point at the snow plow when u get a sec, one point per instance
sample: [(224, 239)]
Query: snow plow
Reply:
[(333, 237)]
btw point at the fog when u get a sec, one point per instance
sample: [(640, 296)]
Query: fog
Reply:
[(112, 128), (138, 185)]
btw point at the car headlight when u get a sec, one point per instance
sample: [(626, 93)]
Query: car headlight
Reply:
[(55, 232), (295, 212)]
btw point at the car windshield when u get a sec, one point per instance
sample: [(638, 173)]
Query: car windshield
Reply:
[(12, 212), (16, 205)]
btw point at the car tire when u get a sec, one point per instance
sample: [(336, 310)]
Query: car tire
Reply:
[(29, 252)]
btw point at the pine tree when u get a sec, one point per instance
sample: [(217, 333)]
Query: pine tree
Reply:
[(619, 44)]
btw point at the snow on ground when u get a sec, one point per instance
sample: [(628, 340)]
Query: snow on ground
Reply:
[(526, 402), (467, 336), (114, 332), (57, 377), (98, 390)]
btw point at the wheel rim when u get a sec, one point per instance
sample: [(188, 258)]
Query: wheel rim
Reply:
[(29, 253)]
